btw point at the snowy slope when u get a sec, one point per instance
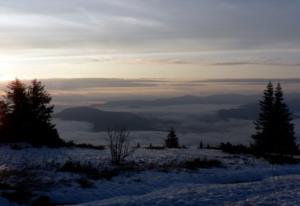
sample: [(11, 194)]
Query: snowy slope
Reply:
[(243, 180), (271, 191)]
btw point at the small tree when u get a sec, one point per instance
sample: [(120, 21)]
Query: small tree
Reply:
[(119, 145), (172, 140), (200, 145)]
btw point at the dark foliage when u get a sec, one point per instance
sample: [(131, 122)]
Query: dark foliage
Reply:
[(234, 149), (18, 196), (155, 147), (201, 145), (80, 168), (84, 146), (201, 163), (16, 147), (274, 127), (25, 115), (172, 139), (85, 183), (119, 145), (281, 159), (90, 171), (42, 201)]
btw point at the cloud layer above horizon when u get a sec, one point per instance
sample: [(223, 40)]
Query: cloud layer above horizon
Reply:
[(153, 38)]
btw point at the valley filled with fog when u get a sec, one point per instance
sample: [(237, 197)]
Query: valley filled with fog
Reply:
[(211, 123)]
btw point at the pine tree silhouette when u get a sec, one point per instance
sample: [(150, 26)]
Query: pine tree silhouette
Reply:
[(274, 128), (26, 115), (284, 135), (44, 131), (172, 140), (18, 111)]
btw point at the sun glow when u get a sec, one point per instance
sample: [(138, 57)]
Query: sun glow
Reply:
[(5, 71)]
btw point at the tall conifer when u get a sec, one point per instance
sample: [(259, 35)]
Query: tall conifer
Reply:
[(274, 127)]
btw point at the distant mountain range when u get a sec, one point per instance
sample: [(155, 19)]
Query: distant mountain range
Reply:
[(105, 119), (102, 120), (185, 100), (251, 111)]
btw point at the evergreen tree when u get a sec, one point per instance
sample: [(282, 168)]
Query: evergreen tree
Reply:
[(274, 130), (44, 131), (284, 135), (264, 124), (4, 122), (18, 111), (25, 115), (172, 140)]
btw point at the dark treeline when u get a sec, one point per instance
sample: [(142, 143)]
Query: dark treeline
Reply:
[(25, 115)]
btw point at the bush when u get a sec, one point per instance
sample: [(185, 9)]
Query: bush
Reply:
[(42, 201), (155, 147), (201, 145), (18, 196), (119, 145), (201, 163), (81, 168), (85, 183), (234, 149), (85, 146), (280, 159), (16, 147)]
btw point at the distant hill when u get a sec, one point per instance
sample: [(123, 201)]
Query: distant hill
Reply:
[(251, 111), (245, 112), (185, 100), (104, 119)]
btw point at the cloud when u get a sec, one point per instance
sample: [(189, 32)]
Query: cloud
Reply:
[(133, 38), (194, 25), (241, 63)]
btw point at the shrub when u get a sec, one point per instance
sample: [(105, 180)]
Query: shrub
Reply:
[(85, 146), (85, 183), (280, 159), (42, 201), (234, 149), (81, 168), (155, 147), (16, 147), (119, 145), (200, 145), (18, 196), (201, 163)]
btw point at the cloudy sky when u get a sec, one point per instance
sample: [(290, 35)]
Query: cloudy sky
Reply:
[(192, 39)]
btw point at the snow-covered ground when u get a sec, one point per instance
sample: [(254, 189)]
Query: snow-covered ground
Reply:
[(282, 190), (242, 180)]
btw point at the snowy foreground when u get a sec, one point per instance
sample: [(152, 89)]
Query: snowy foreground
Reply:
[(242, 180)]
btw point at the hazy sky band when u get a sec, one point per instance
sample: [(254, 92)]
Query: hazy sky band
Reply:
[(154, 39)]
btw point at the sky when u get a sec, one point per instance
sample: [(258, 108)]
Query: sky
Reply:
[(153, 39)]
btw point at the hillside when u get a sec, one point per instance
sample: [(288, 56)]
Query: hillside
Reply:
[(102, 120)]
